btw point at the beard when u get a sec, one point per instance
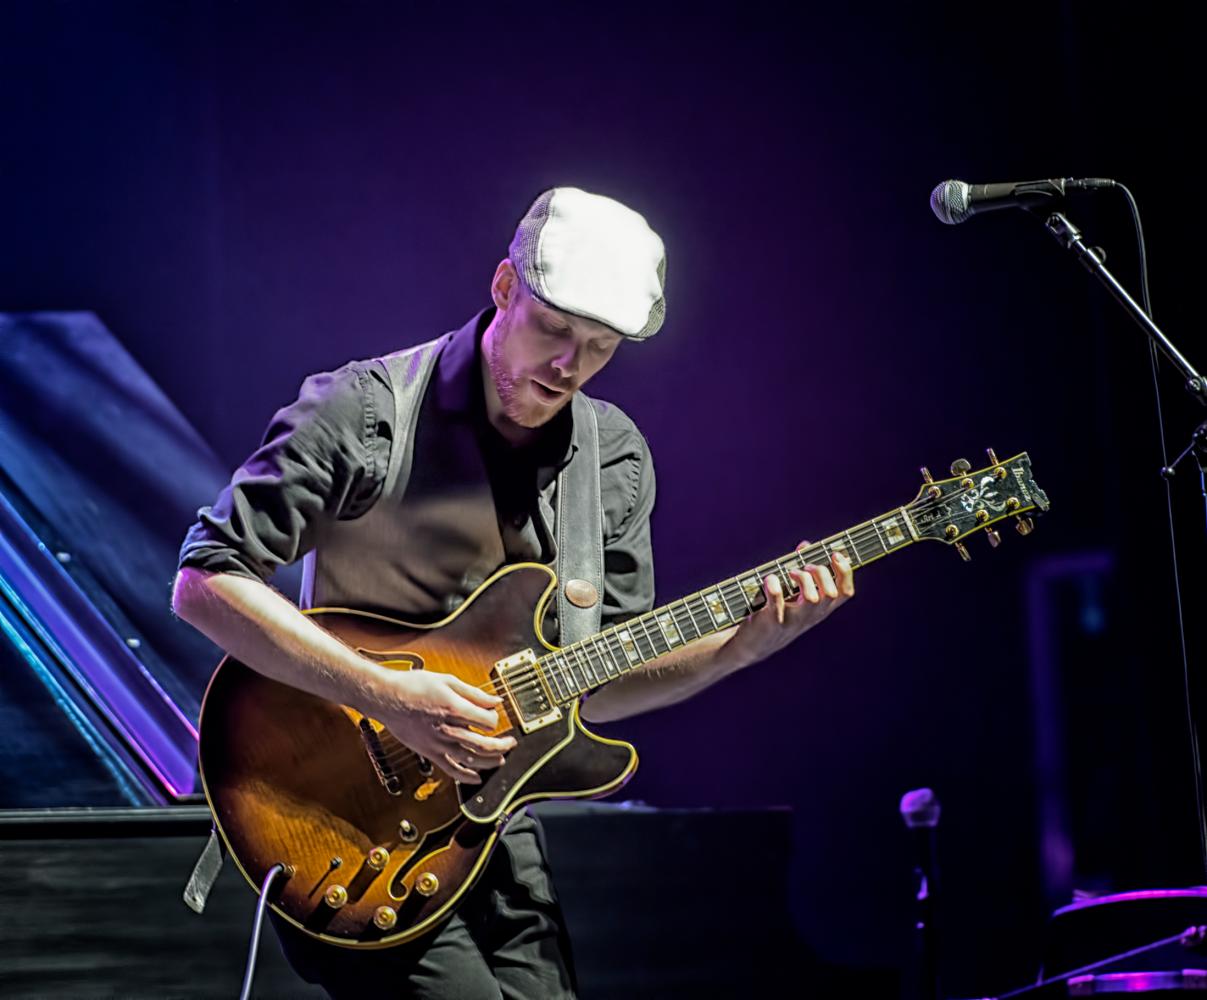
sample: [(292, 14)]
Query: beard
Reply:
[(511, 390)]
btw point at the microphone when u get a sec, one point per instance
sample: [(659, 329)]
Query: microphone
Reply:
[(920, 810), (955, 201)]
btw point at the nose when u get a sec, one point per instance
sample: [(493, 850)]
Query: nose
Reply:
[(566, 363)]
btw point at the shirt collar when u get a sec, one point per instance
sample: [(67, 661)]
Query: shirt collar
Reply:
[(459, 393)]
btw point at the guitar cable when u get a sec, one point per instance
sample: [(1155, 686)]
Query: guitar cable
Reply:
[(254, 945), (1192, 723)]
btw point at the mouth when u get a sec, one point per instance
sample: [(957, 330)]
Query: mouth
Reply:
[(547, 395)]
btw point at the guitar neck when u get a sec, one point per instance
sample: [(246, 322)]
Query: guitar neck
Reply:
[(583, 666)]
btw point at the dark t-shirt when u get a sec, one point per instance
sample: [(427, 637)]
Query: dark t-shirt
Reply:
[(325, 457)]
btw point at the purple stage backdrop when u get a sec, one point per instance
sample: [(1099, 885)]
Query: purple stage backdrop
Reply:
[(249, 192)]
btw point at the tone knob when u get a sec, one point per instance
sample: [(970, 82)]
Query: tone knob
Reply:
[(385, 917), (335, 897), (961, 467), (427, 884), (378, 858)]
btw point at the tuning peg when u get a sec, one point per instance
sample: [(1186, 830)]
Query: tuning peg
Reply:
[(992, 456), (1024, 525), (926, 476), (961, 467), (994, 538), (963, 550)]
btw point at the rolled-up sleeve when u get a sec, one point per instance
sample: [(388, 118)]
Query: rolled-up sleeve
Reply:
[(628, 489), (323, 458)]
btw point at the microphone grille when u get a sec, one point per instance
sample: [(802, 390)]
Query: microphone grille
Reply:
[(949, 202), (920, 808)]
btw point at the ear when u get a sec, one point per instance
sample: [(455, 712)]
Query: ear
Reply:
[(505, 288)]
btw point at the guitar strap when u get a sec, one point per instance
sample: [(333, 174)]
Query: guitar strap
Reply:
[(579, 557), (580, 569)]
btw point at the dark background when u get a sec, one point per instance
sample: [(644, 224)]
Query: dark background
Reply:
[(249, 192)]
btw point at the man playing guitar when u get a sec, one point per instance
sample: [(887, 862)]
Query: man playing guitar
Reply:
[(416, 529)]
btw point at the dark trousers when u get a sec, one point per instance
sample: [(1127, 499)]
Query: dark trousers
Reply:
[(507, 939)]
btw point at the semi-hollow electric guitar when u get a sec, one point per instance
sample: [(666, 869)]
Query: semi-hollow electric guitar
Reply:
[(378, 846)]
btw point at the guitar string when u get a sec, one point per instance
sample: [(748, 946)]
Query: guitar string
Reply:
[(403, 754), (530, 678), (525, 680)]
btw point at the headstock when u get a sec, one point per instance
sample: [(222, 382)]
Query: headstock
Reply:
[(947, 510)]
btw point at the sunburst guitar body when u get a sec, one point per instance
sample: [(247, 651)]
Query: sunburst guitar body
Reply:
[(378, 844)]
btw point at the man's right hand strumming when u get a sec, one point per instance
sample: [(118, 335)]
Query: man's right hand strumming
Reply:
[(432, 714)]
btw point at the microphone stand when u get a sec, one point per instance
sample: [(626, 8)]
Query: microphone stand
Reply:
[(1093, 260)]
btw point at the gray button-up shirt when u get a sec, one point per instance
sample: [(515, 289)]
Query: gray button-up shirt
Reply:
[(325, 457)]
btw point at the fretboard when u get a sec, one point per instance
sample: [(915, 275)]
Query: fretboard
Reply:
[(584, 666)]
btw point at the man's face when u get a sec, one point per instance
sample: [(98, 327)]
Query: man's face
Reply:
[(538, 357)]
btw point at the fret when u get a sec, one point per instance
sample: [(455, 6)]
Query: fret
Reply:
[(791, 588), (890, 525), (879, 537), (625, 648), (655, 635), (853, 550), (557, 673), (580, 654), (628, 643), (875, 537), (717, 609), (575, 684), (752, 589), (641, 639), (598, 664), (670, 629), (581, 683), (588, 652), (615, 651), (786, 581), (675, 609), (604, 658), (554, 680), (732, 591), (698, 614)]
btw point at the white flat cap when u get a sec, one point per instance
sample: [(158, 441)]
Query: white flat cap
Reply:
[(593, 257)]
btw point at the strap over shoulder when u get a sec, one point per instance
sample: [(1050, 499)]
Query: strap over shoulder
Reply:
[(580, 531)]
